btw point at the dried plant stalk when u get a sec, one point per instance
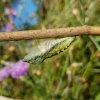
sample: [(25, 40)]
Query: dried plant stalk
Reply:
[(50, 33)]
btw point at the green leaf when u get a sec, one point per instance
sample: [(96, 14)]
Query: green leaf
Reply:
[(97, 97)]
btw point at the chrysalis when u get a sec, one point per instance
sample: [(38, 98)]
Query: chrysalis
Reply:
[(48, 49)]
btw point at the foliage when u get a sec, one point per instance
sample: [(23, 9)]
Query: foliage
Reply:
[(72, 75)]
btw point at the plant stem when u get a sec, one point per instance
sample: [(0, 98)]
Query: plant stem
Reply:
[(50, 33)]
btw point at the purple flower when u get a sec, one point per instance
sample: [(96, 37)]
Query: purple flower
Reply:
[(19, 69), (4, 73), (9, 27), (15, 70), (10, 11)]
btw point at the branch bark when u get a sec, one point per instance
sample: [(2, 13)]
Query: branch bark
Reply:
[(50, 33)]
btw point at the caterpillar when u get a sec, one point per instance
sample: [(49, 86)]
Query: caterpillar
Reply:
[(47, 49)]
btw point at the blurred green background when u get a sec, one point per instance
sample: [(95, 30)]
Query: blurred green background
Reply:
[(72, 75)]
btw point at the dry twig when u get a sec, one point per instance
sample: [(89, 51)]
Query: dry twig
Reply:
[(50, 33)]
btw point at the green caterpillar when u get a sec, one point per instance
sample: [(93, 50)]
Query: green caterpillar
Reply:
[(48, 49)]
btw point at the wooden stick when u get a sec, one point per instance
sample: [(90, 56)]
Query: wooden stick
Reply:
[(50, 33)]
